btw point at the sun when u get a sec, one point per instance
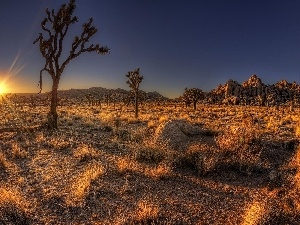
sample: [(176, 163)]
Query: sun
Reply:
[(2, 89)]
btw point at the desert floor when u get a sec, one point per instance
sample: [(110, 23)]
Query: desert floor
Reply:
[(216, 165)]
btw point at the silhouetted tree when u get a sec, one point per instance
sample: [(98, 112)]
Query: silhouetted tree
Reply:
[(193, 95), (134, 80), (55, 27)]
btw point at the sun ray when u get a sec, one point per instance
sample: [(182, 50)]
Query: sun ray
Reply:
[(14, 62)]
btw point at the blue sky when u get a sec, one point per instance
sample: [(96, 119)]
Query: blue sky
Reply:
[(176, 44)]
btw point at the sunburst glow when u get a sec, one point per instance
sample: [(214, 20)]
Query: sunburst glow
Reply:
[(3, 88)]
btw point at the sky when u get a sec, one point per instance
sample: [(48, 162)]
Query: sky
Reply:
[(175, 43)]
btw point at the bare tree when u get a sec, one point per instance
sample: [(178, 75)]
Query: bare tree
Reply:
[(134, 80), (55, 27)]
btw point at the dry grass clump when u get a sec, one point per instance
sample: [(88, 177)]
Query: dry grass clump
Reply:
[(123, 134), (152, 124), (238, 148), (139, 134), (9, 195), (149, 154), (146, 213), (163, 119), (126, 164), (84, 152), (200, 157), (18, 151), (234, 138), (81, 182), (162, 171), (57, 140), (273, 124)]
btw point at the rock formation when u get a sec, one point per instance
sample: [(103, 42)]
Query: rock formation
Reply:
[(254, 92)]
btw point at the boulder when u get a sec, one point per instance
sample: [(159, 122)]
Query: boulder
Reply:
[(175, 133)]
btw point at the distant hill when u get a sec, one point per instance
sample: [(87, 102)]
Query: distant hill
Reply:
[(96, 92), (100, 92)]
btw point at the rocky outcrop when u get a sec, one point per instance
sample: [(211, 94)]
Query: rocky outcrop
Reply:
[(255, 92)]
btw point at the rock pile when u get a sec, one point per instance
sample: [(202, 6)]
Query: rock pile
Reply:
[(254, 92)]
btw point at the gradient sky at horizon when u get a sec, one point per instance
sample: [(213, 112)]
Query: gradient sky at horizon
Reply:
[(176, 44)]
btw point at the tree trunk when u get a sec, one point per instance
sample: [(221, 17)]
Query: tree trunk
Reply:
[(136, 105), (52, 115), (195, 105)]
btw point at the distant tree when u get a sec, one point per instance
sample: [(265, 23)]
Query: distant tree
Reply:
[(134, 80), (185, 99), (130, 97), (193, 95), (55, 27)]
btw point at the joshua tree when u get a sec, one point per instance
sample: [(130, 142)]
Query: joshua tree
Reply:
[(193, 95), (134, 83), (185, 99), (55, 27)]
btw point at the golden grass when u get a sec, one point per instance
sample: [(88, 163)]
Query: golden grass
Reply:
[(162, 171), (254, 213), (126, 164), (18, 151), (80, 184), (146, 211), (47, 170), (84, 151), (163, 119), (10, 195), (151, 124)]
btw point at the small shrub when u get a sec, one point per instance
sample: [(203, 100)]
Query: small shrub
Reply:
[(146, 213), (272, 124), (163, 118), (85, 152), (234, 138), (123, 134), (200, 157), (149, 154), (125, 165), (18, 151), (117, 122), (107, 128), (151, 124), (162, 171)]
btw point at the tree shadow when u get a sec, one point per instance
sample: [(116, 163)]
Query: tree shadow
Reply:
[(10, 214), (3, 172)]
